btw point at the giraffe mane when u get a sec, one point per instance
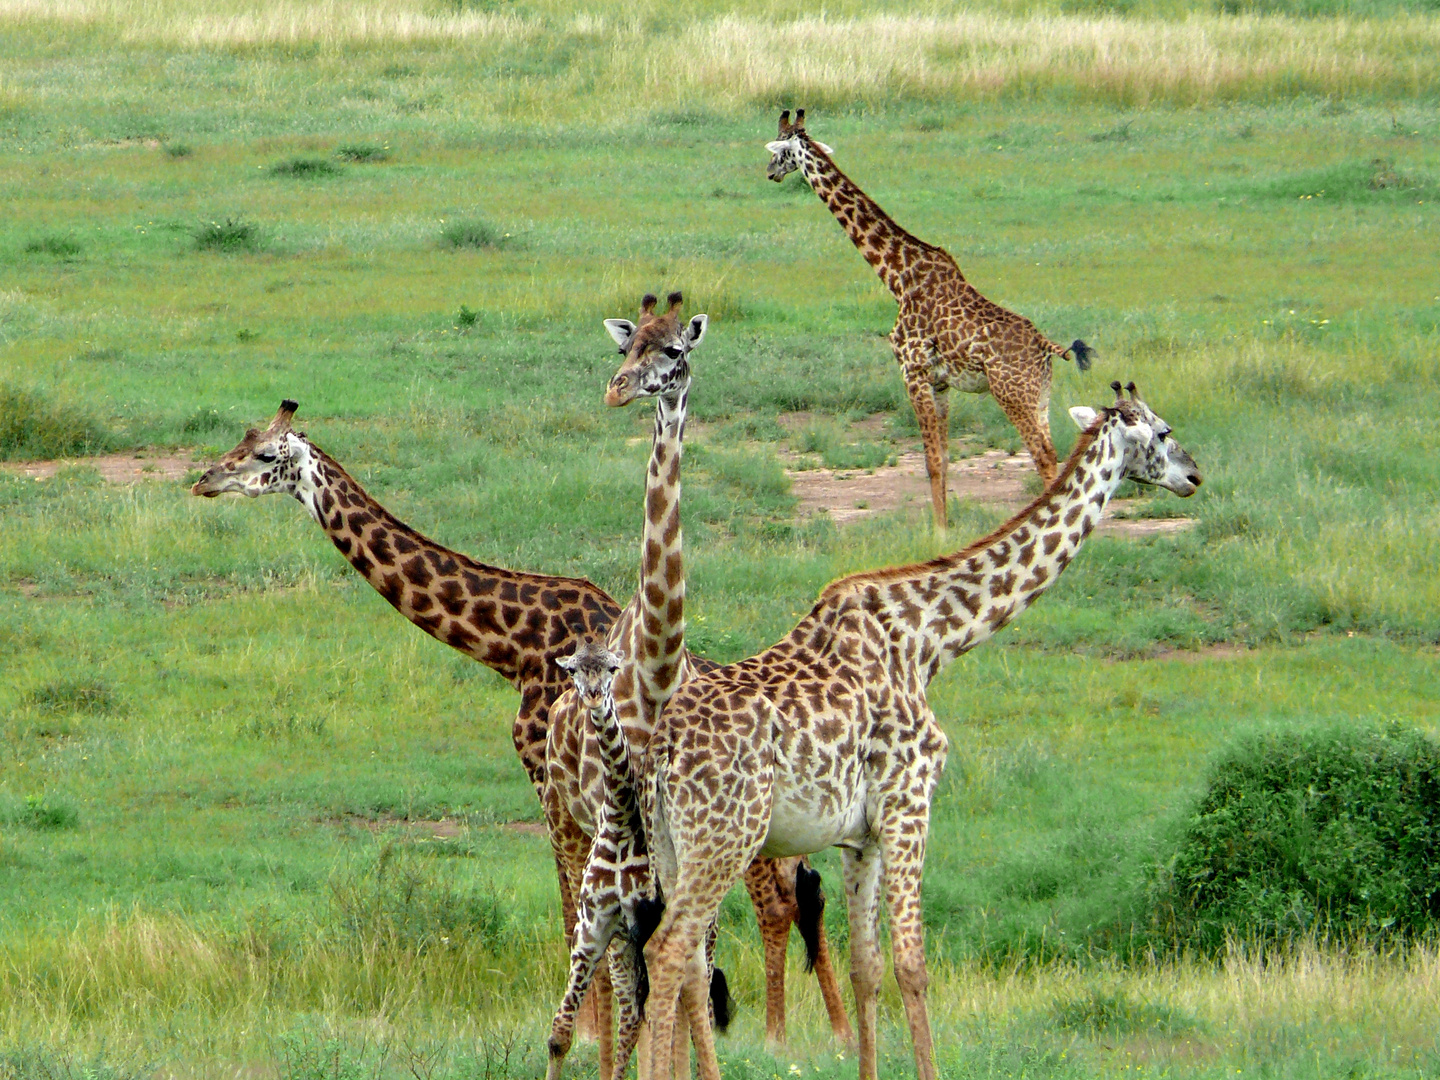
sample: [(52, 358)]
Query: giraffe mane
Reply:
[(944, 562)]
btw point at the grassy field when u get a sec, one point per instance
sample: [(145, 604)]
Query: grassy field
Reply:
[(250, 821)]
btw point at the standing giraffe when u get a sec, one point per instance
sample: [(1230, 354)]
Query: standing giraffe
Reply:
[(946, 334), (650, 634), (826, 738), (516, 624)]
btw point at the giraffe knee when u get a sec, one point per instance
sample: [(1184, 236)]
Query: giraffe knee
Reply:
[(910, 973)]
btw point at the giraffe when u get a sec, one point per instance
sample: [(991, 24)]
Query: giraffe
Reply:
[(517, 624), (614, 894), (946, 334), (827, 739), (651, 632)]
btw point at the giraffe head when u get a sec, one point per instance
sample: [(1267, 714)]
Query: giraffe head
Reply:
[(785, 150), (656, 352), (264, 462), (592, 668), (1151, 455)]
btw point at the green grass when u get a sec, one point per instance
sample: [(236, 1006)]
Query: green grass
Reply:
[(219, 743)]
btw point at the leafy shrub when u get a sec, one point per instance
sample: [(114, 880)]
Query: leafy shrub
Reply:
[(1100, 1011), (227, 236), (32, 426), (363, 152), (43, 813), (1334, 831), (68, 696), (202, 422), (45, 1063), (399, 904), (306, 168), (467, 318), (179, 149), (61, 247), (472, 233)]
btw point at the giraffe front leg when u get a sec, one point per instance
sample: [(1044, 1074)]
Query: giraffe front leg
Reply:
[(1022, 406), (593, 930), (904, 861), (913, 355), (625, 983), (862, 896)]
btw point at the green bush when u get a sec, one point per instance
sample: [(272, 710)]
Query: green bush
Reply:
[(32, 427), (363, 152), (306, 168), (227, 236), (59, 247), (1333, 832), (472, 233)]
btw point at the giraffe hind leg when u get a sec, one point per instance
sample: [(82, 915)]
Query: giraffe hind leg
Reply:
[(1026, 416)]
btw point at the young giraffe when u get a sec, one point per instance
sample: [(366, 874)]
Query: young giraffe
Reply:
[(826, 738), (614, 894), (946, 334), (514, 623), (651, 630)]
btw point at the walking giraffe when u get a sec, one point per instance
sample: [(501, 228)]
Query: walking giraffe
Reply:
[(946, 333), (826, 738)]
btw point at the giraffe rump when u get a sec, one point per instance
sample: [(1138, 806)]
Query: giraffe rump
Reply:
[(810, 900)]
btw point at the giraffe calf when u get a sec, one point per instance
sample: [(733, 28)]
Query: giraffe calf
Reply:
[(615, 893)]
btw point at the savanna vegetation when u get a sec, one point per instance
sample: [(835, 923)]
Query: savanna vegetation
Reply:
[(252, 821)]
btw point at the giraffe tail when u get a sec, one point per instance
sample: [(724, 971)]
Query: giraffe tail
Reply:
[(721, 1003), (1083, 354), (810, 902), (648, 911)]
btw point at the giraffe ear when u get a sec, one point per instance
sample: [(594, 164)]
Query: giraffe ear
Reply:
[(776, 146), (623, 331), (1083, 416), (822, 146), (695, 332), (565, 663)]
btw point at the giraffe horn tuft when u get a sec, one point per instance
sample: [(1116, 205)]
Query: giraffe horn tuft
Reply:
[(1134, 394), (675, 299), (647, 303), (799, 119), (1119, 391)]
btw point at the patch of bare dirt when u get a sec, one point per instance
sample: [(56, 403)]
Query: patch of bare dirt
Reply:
[(532, 828), (131, 468), (1222, 651), (994, 477)]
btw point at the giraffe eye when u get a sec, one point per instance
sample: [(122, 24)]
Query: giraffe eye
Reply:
[(673, 352), (266, 458)]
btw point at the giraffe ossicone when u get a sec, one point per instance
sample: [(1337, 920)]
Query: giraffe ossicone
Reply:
[(827, 737), (946, 334)]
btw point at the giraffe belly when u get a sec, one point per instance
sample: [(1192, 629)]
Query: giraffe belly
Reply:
[(801, 825), (969, 381)]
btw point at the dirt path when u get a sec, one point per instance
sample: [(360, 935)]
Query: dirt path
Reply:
[(993, 477), (131, 468)]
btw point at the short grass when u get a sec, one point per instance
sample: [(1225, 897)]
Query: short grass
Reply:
[(217, 740)]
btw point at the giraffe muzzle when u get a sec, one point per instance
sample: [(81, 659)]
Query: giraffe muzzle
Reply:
[(202, 486), (620, 392)]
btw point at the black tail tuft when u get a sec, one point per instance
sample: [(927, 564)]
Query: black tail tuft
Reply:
[(721, 1004), (647, 920), (810, 899), (1083, 354)]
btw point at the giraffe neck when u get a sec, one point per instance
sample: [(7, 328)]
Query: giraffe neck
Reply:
[(936, 611), (480, 610), (889, 249), (654, 640)]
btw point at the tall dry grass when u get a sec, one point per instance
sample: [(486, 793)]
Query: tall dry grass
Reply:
[(737, 61)]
